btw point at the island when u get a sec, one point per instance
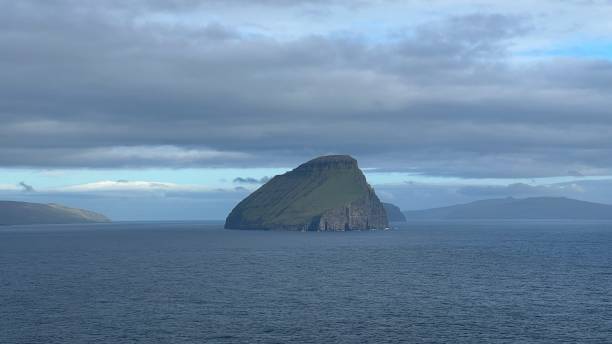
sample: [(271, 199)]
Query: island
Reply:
[(25, 213), (329, 193), (543, 208)]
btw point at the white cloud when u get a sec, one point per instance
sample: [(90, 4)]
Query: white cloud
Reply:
[(171, 155), (121, 185), (9, 187), (140, 188)]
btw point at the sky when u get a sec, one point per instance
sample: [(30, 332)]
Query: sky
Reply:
[(170, 110)]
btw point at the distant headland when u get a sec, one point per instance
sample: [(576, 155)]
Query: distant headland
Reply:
[(394, 213), (25, 213), (552, 208), (329, 193)]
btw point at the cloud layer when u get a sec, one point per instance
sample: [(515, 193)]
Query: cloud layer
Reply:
[(472, 92), (153, 200)]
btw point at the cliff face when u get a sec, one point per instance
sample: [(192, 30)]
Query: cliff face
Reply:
[(327, 193), (394, 214), (24, 213)]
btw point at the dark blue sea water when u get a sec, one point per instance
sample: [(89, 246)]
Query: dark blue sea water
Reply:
[(428, 282)]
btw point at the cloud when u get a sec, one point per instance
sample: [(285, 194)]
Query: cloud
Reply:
[(25, 187), (126, 189), (154, 200), (137, 200), (521, 190), (121, 185), (123, 156), (9, 187), (575, 173), (143, 84), (250, 180)]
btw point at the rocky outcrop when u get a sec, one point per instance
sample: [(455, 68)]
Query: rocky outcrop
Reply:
[(394, 214), (328, 193), (25, 213), (364, 213)]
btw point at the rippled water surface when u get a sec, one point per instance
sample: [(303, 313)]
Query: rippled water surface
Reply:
[(427, 282)]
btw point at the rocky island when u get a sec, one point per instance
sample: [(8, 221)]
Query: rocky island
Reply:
[(329, 193), (25, 213)]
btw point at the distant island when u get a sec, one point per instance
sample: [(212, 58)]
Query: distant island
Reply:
[(519, 208), (329, 193), (394, 213), (24, 213)]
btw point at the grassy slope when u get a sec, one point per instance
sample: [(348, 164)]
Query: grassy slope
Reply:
[(294, 198), (83, 214)]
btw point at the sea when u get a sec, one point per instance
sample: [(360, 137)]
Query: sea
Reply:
[(195, 282)]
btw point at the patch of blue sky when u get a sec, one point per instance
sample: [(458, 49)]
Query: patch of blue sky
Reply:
[(593, 49)]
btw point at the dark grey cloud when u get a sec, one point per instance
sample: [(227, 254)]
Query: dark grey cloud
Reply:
[(90, 85), (251, 180), (25, 187)]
